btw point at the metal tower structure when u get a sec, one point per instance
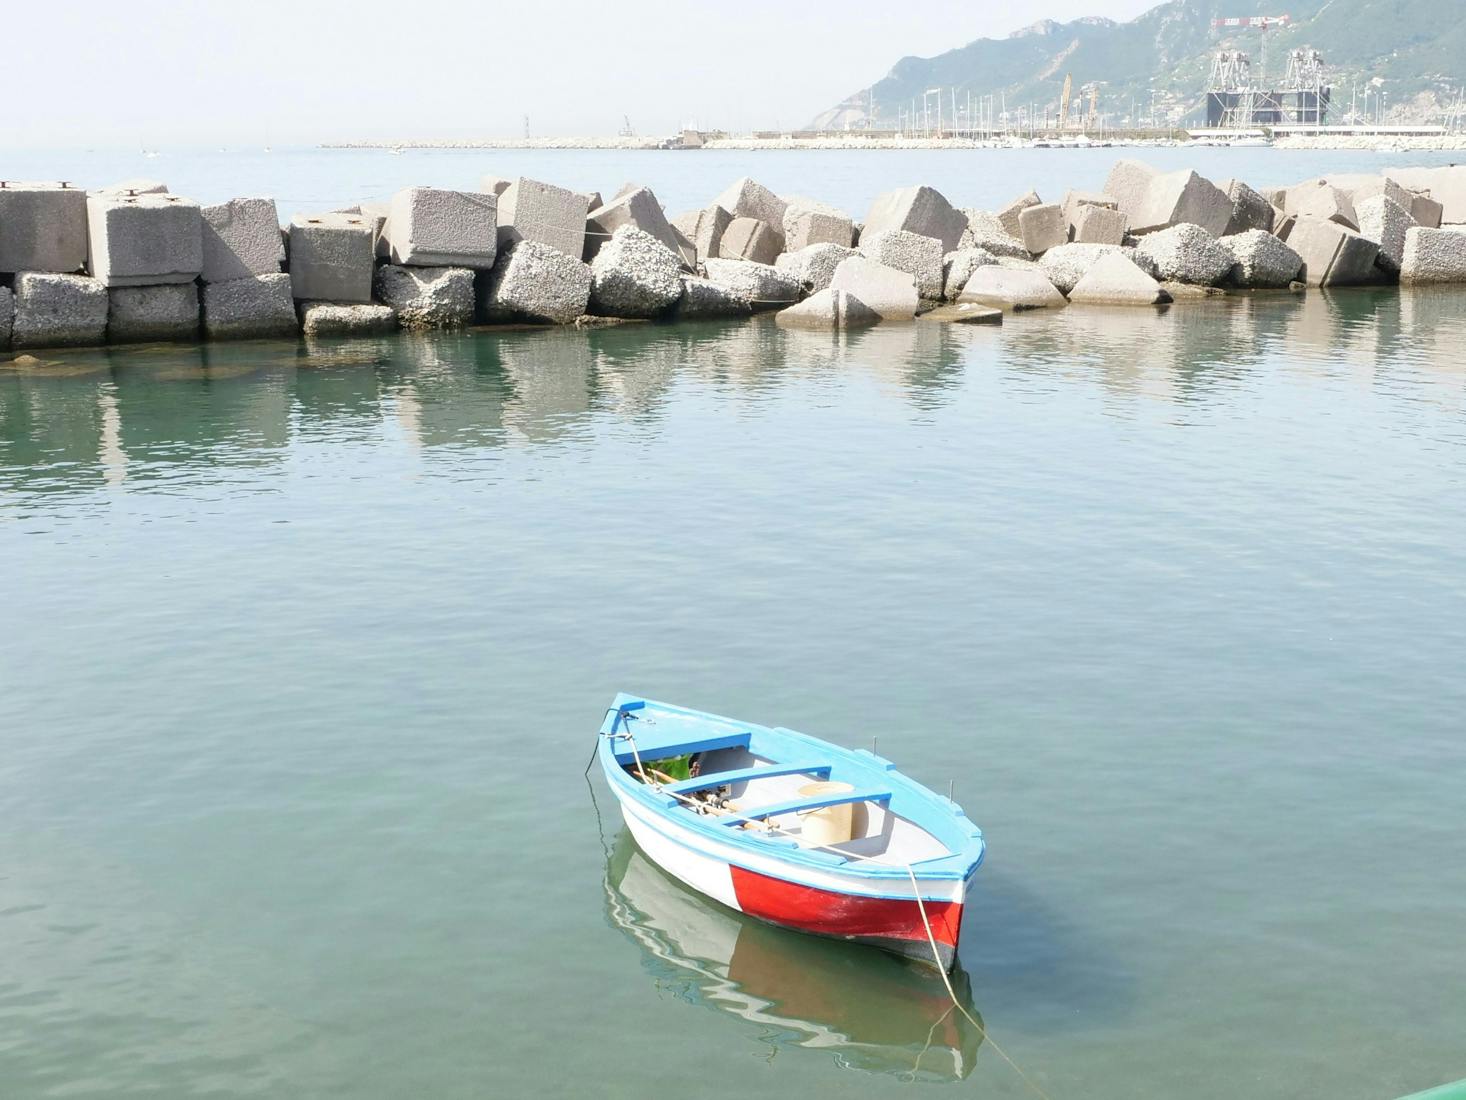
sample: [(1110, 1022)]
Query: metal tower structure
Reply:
[(1229, 93), (1264, 23), (1304, 93)]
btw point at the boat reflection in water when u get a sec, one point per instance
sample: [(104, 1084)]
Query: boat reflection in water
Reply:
[(872, 1011)]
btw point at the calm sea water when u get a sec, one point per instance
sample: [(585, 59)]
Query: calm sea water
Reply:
[(304, 647)]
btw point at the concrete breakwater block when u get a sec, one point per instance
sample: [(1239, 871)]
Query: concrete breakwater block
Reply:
[(1075, 201), (43, 227), (891, 293), (494, 185), (922, 210), (814, 265), (1011, 289), (634, 275), (426, 297), (249, 308), (346, 319), (1250, 210), (1322, 200), (1095, 224), (637, 207), (533, 211), (241, 238), (1129, 185), (432, 227), (829, 308), (1186, 254), (1010, 217), (53, 311), (957, 268), (144, 240), (1182, 198), (704, 228), (1385, 221), (534, 282), (747, 198), (7, 316), (1430, 256), (1332, 254), (765, 287), (986, 232), (332, 257), (1043, 227), (1066, 265), (703, 299), (143, 314), (1425, 210), (963, 313), (807, 222), (750, 239), (1114, 280), (918, 256), (1260, 261), (1446, 186), (135, 186)]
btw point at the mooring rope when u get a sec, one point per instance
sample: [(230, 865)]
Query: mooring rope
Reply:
[(915, 891)]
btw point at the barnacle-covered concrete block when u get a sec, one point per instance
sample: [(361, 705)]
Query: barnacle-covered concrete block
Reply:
[(765, 286), (433, 227), (346, 319), (529, 210), (1385, 221), (1114, 280), (1431, 256), (534, 282), (1187, 253), (958, 266), (828, 309), (1011, 289), (241, 238), (891, 293), (144, 240), (703, 299), (918, 256), (426, 297), (635, 207), (814, 265), (750, 239), (1042, 227), (332, 257), (985, 231), (250, 308), (634, 275), (143, 314), (1260, 261), (53, 311), (43, 227), (922, 210), (1068, 263)]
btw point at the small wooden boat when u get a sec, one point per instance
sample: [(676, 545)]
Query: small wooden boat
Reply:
[(791, 829)]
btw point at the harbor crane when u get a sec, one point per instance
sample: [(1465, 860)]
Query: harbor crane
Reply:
[(1264, 23), (1064, 100)]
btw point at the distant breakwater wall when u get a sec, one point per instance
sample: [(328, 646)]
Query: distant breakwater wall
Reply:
[(132, 262)]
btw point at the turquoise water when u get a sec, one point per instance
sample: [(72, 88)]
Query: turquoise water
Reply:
[(304, 648)]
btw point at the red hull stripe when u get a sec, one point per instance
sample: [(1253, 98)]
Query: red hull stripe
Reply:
[(833, 914)]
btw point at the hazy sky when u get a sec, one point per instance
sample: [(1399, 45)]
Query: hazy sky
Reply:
[(101, 73)]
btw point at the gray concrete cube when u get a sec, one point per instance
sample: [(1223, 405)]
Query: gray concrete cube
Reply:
[(346, 319), (1114, 280), (1332, 254), (637, 207), (332, 257), (533, 211), (1250, 210), (704, 228), (807, 222), (1431, 256), (1129, 185), (764, 286), (1260, 261), (747, 198), (144, 240), (1385, 221), (750, 239), (1042, 227), (1075, 201), (985, 231), (1425, 210), (145, 314), (7, 316), (1182, 198), (426, 297), (1186, 253), (814, 265), (534, 282), (54, 311), (1098, 225), (1010, 215), (241, 238), (703, 299), (43, 227), (922, 210), (890, 293), (918, 256), (1011, 289), (431, 227), (1068, 263), (1446, 185), (829, 309), (249, 308), (957, 268)]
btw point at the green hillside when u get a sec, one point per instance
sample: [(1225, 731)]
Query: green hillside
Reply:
[(1412, 53)]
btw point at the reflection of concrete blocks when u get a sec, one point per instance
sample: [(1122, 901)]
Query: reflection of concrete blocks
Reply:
[(1010, 217), (891, 293), (636, 207), (1332, 254), (1250, 210), (1431, 256), (533, 211), (427, 297), (1261, 261), (704, 228), (1129, 185), (534, 282), (918, 256), (1042, 227), (431, 227), (43, 227), (922, 210), (1385, 221), (750, 239), (54, 311), (333, 319), (1099, 225), (1182, 198), (814, 265), (634, 275), (143, 240), (244, 309), (332, 257), (764, 287), (143, 314), (241, 238)]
